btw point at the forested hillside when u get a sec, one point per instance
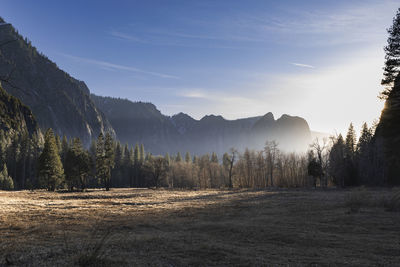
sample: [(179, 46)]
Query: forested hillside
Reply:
[(56, 99), (15, 117)]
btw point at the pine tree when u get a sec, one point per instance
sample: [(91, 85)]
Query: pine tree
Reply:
[(6, 182), (365, 139), (100, 159), (77, 166), (109, 160), (392, 57), (188, 159), (350, 153), (351, 141), (64, 148), (136, 155), (167, 159), (178, 157), (142, 154), (196, 160), (364, 157), (337, 164), (50, 169), (214, 158), (58, 143), (136, 165)]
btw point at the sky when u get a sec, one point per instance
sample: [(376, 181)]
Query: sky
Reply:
[(320, 60)]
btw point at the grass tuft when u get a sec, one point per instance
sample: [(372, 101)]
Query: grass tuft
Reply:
[(392, 203), (357, 199), (93, 250)]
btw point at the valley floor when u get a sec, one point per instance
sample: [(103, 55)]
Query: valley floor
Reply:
[(205, 227)]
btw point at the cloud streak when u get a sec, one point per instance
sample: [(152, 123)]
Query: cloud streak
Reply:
[(113, 66), (302, 65)]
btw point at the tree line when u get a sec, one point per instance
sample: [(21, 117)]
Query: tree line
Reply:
[(55, 163), (33, 161)]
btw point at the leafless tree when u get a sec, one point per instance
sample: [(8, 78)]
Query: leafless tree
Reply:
[(271, 151)]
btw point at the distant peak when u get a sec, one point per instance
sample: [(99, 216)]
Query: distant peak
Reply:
[(182, 117), (212, 118), (289, 117), (269, 116)]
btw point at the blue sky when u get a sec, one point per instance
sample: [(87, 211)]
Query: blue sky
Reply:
[(321, 60)]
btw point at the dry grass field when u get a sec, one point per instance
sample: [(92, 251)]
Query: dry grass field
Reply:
[(145, 227)]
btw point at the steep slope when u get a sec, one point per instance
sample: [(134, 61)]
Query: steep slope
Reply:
[(56, 99), (14, 116), (137, 122)]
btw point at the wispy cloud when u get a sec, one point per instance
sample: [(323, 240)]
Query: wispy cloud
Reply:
[(213, 95), (302, 65), (113, 66), (127, 37), (194, 93), (165, 38), (345, 24)]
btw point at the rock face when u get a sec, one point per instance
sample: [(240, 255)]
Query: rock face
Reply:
[(56, 99), (14, 116), (138, 122), (63, 103), (387, 136)]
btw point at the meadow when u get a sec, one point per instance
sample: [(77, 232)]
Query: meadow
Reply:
[(163, 227)]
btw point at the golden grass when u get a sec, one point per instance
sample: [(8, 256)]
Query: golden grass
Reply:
[(125, 227)]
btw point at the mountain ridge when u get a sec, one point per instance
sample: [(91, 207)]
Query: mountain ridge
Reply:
[(57, 100), (212, 133)]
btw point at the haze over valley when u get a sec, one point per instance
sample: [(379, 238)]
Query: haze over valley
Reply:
[(199, 133)]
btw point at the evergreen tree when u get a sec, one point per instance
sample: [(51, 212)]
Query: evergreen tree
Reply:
[(109, 160), (196, 160), (214, 158), (364, 155), (6, 182), (178, 157), (58, 143), (127, 163), (117, 172), (350, 177), (136, 155), (365, 139), (50, 169), (314, 167), (142, 153), (351, 141), (77, 166), (64, 148), (100, 159), (167, 159), (188, 159), (337, 163), (392, 57)]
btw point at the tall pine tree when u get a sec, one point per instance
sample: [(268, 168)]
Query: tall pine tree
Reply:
[(392, 57), (50, 169)]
